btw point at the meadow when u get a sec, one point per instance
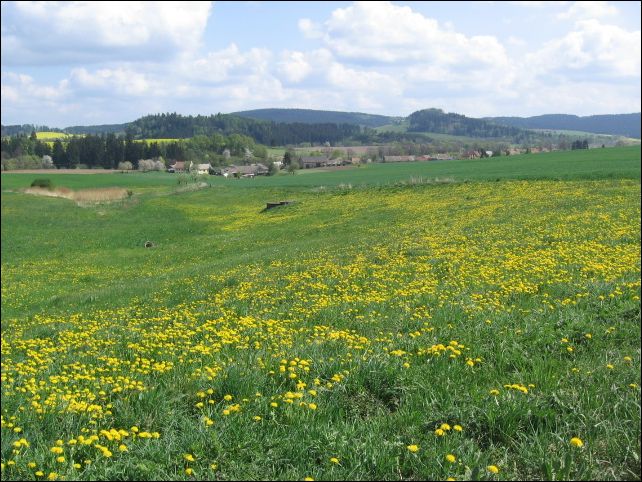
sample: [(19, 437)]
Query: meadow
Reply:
[(443, 320)]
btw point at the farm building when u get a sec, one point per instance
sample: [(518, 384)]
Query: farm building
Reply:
[(252, 170), (398, 158), (308, 162)]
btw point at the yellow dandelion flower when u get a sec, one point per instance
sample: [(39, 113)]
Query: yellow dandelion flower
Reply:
[(577, 442), (451, 458), (334, 460), (189, 457), (458, 428), (413, 448), (493, 469)]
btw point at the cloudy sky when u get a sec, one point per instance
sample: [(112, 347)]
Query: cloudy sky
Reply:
[(70, 63)]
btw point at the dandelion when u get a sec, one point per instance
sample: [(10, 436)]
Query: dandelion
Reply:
[(60, 459), (439, 432), (451, 458), (494, 392), (577, 442), (413, 448), (457, 428), (334, 460), (493, 469), (189, 457), (312, 406), (123, 448), (188, 471)]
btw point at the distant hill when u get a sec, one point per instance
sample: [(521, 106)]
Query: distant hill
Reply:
[(437, 121), (309, 116), (627, 125)]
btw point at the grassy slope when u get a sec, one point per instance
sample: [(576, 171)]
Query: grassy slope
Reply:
[(214, 245)]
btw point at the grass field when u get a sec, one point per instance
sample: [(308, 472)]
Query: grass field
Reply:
[(486, 326)]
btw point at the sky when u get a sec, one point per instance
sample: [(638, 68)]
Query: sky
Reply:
[(82, 63)]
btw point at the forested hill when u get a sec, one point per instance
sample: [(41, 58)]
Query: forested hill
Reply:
[(616, 124), (309, 116), (263, 132), (437, 121)]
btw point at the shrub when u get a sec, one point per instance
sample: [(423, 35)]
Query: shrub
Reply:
[(44, 183), (125, 166)]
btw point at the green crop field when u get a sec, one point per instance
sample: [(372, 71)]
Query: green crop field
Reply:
[(423, 321)]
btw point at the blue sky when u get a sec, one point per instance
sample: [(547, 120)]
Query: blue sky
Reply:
[(71, 63)]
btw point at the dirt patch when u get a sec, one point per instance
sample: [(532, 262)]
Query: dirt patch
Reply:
[(83, 196)]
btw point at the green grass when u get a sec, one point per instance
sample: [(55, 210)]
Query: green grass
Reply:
[(360, 285)]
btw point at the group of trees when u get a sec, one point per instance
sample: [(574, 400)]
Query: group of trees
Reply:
[(579, 144)]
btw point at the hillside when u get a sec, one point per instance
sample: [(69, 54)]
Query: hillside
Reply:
[(309, 116), (627, 125)]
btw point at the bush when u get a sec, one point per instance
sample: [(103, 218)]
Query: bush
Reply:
[(44, 183), (22, 162), (125, 166), (151, 165)]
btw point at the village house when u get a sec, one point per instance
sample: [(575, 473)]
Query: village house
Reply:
[(201, 168), (178, 166)]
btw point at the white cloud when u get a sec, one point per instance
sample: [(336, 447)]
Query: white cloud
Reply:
[(385, 32), (123, 81), (607, 50), (588, 10), (310, 29), (80, 32)]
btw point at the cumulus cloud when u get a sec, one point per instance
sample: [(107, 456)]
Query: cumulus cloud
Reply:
[(46, 33), (605, 50), (389, 33)]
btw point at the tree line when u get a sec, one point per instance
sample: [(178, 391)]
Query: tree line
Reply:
[(108, 151)]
